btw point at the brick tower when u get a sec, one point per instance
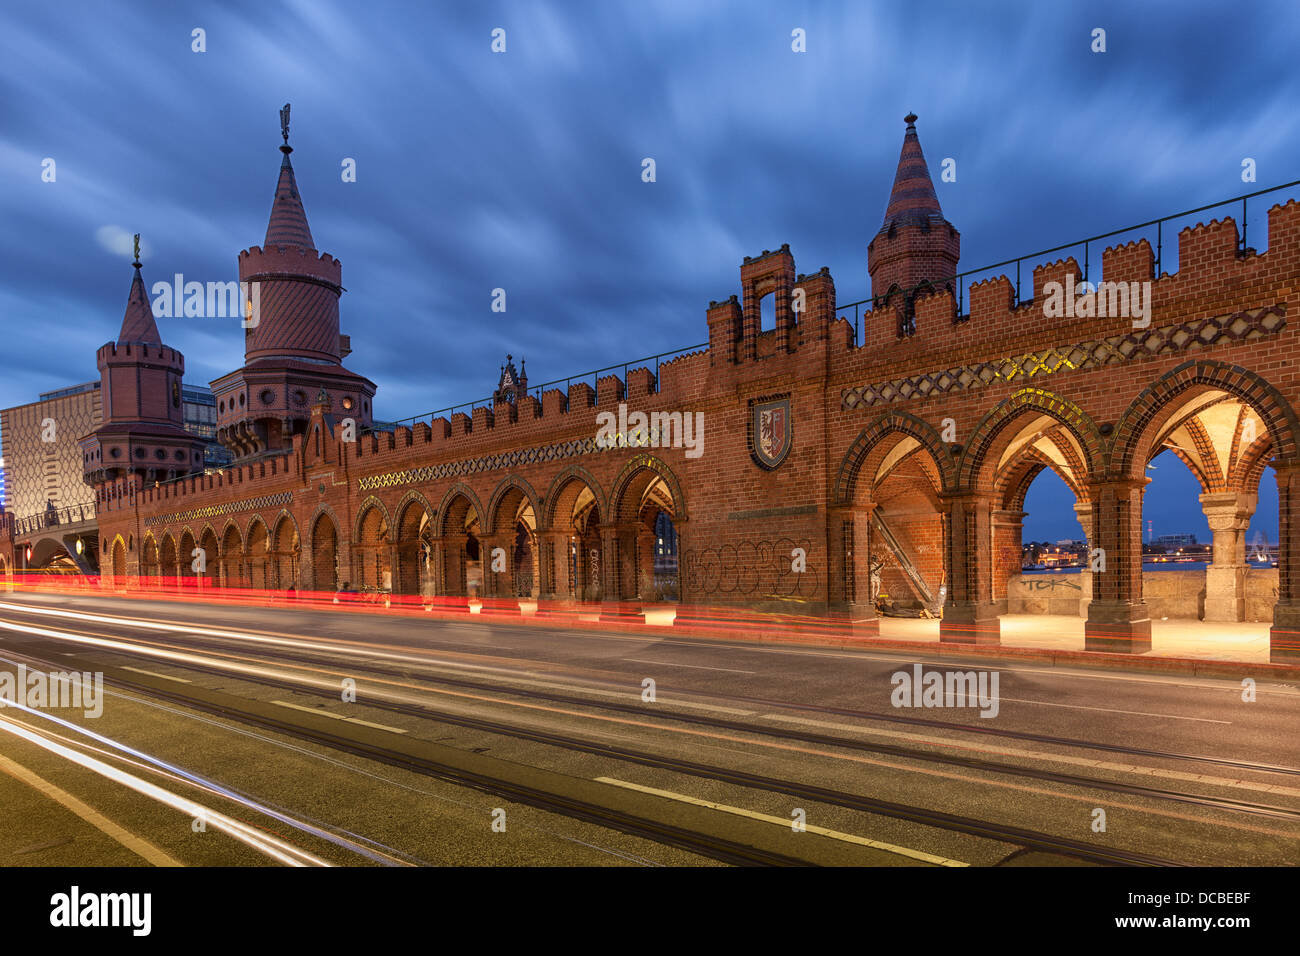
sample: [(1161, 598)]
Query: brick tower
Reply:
[(915, 243), (293, 351), (142, 432)]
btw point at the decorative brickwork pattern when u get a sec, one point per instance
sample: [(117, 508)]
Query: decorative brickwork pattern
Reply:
[(1237, 327), (471, 466), (230, 507)]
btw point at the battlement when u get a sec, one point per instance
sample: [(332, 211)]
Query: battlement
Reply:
[(287, 261), (131, 353), (1214, 275), (173, 495)]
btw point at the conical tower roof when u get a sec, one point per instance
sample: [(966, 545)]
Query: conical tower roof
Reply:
[(138, 324), (288, 225), (912, 200)]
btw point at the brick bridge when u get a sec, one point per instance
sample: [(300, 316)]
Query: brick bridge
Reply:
[(909, 447)]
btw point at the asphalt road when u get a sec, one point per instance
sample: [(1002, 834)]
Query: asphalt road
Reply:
[(236, 735)]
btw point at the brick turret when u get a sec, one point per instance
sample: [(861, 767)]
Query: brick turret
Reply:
[(292, 346), (143, 426), (915, 244)]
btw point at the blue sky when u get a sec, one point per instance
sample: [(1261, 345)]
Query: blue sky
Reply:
[(522, 170)]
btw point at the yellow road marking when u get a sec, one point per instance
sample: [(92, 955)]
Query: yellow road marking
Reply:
[(319, 712), (137, 845)]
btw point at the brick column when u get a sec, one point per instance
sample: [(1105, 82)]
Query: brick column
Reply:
[(1083, 509), (1284, 637), (849, 588), (646, 540), (453, 561), (969, 614), (1118, 620), (497, 584), (1228, 514), (552, 565), (1008, 528), (618, 572)]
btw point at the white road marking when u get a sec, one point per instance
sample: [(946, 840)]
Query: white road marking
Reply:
[(351, 720), (781, 822), (698, 667), (1112, 710), (985, 747), (137, 845), (141, 670)]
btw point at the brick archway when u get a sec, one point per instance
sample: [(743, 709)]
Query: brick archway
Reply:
[(1133, 434), (551, 504), (232, 557), (892, 422), (285, 548), (371, 546), (324, 551), (973, 473), (257, 543), (416, 521), (167, 559), (119, 562)]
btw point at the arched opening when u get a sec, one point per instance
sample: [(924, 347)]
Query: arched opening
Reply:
[(257, 562), (210, 559), (119, 564), (767, 313), (887, 547), (324, 555), (186, 557), (571, 553), (232, 559), (167, 560), (284, 555), (462, 556), (1226, 424), (1031, 431), (415, 549), (512, 571), (1198, 509), (149, 561), (374, 571), (642, 494)]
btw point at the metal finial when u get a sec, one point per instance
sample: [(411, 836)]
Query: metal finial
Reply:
[(910, 119), (137, 250), (284, 123)]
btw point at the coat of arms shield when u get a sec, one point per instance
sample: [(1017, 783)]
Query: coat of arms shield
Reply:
[(772, 432)]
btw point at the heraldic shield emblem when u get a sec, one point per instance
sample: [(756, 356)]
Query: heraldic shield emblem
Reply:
[(772, 432)]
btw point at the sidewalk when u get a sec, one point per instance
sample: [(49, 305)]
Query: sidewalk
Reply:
[(1194, 640)]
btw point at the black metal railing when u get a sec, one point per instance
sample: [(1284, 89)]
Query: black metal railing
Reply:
[(960, 278), (536, 390), (54, 518)]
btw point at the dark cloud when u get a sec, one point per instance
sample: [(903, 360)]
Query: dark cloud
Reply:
[(522, 170)]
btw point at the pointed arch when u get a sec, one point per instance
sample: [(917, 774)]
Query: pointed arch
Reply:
[(458, 490), (618, 491), (370, 503), (972, 467), (1134, 435), (553, 493), (413, 497), (893, 421), (506, 485)]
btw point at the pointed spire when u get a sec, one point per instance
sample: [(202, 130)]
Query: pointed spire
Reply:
[(288, 225), (913, 200), (138, 324)]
